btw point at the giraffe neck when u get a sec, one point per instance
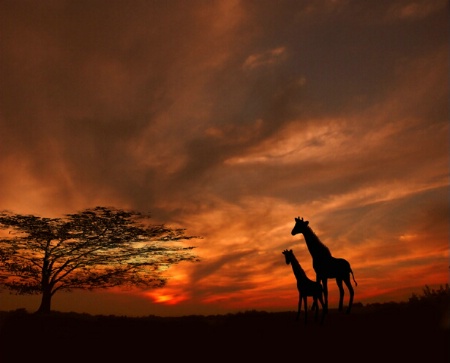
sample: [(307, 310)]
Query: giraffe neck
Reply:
[(297, 269), (316, 248)]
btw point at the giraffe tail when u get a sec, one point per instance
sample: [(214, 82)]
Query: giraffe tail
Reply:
[(351, 271)]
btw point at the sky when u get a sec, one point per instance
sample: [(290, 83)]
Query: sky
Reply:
[(229, 119)]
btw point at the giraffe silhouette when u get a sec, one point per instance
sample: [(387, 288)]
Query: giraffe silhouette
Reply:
[(306, 287), (325, 265)]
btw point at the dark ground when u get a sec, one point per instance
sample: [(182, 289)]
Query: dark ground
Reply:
[(375, 333)]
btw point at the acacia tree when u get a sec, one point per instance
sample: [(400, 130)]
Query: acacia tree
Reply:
[(101, 247)]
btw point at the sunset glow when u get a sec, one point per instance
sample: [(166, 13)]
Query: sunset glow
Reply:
[(230, 119)]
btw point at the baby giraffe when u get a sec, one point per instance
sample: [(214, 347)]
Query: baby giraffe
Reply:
[(306, 287)]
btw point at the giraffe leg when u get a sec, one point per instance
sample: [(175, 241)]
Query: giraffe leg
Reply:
[(299, 306), (305, 307), (352, 293), (325, 293), (314, 306), (323, 309), (316, 314), (341, 293)]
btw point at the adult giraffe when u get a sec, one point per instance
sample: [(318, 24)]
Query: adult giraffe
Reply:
[(325, 265)]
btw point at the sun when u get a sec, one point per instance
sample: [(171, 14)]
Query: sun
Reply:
[(162, 298), (166, 298)]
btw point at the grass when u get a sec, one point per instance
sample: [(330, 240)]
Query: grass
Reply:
[(413, 330)]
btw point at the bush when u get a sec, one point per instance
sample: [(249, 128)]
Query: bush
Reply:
[(440, 296)]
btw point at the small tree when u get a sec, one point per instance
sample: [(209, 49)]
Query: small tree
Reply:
[(100, 247)]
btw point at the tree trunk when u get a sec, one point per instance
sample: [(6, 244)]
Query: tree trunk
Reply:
[(46, 302)]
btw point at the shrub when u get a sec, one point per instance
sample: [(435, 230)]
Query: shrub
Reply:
[(431, 296)]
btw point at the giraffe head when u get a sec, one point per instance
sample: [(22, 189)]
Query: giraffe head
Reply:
[(288, 255), (300, 226)]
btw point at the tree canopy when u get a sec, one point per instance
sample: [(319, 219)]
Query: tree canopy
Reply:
[(99, 247)]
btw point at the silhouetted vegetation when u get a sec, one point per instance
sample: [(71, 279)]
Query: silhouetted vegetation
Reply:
[(431, 296), (96, 248), (405, 331)]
